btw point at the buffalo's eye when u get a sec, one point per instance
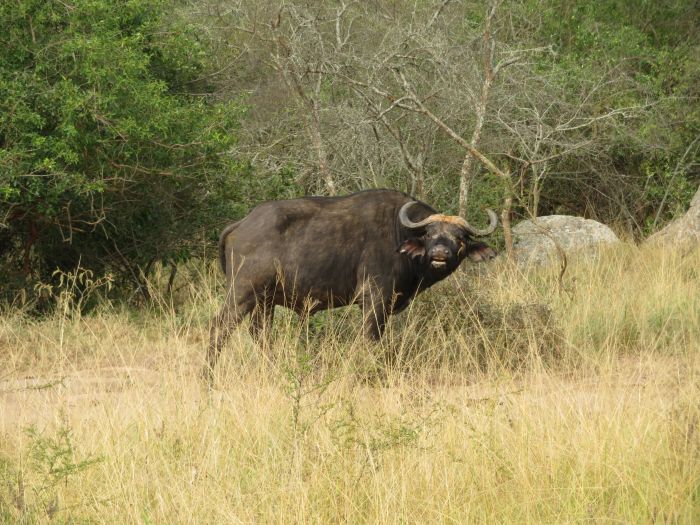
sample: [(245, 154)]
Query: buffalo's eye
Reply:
[(462, 246)]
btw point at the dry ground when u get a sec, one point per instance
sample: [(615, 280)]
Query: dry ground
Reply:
[(493, 414)]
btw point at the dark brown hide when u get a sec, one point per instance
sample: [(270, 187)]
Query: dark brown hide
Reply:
[(315, 253)]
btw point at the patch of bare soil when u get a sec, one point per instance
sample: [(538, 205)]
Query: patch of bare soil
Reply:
[(38, 399)]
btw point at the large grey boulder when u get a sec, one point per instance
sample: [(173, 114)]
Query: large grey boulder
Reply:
[(575, 235), (684, 231)]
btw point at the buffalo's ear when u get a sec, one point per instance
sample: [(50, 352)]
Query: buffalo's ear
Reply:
[(414, 247), (479, 252)]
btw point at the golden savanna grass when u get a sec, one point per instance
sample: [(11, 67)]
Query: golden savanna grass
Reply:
[(510, 400)]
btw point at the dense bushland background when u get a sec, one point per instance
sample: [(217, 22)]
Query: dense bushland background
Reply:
[(131, 131)]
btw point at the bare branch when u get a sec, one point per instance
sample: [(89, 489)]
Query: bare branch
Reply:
[(420, 108), (437, 13)]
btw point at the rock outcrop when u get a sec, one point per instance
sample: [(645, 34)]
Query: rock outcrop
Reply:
[(684, 231), (575, 235)]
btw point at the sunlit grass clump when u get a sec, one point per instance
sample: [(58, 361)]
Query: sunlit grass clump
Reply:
[(509, 398)]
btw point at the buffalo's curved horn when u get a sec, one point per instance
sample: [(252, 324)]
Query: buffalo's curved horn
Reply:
[(493, 222), (453, 219), (408, 223)]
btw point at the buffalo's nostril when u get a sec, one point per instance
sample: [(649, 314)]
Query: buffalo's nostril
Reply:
[(439, 253)]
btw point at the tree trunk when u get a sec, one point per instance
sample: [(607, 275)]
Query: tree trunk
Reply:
[(314, 131), (507, 230), (489, 48), (466, 171)]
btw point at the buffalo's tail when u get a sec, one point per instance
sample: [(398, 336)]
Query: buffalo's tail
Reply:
[(222, 243)]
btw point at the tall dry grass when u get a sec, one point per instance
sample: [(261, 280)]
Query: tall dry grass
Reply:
[(510, 401)]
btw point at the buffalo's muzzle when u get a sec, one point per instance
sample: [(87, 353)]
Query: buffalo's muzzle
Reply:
[(439, 255)]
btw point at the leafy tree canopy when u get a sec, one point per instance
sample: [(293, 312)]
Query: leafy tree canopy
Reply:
[(113, 152)]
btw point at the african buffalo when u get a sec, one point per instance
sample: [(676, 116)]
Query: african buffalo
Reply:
[(376, 248)]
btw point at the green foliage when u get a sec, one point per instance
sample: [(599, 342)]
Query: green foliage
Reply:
[(300, 386), (35, 490), (118, 120), (111, 156), (640, 55)]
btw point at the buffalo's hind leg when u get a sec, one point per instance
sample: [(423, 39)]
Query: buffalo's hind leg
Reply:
[(261, 320), (222, 325)]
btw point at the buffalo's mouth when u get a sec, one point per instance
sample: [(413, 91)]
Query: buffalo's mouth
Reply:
[(438, 263)]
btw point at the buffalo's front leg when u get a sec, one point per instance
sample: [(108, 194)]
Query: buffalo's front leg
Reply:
[(374, 306), (375, 314)]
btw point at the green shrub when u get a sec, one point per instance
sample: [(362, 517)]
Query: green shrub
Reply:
[(112, 156)]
